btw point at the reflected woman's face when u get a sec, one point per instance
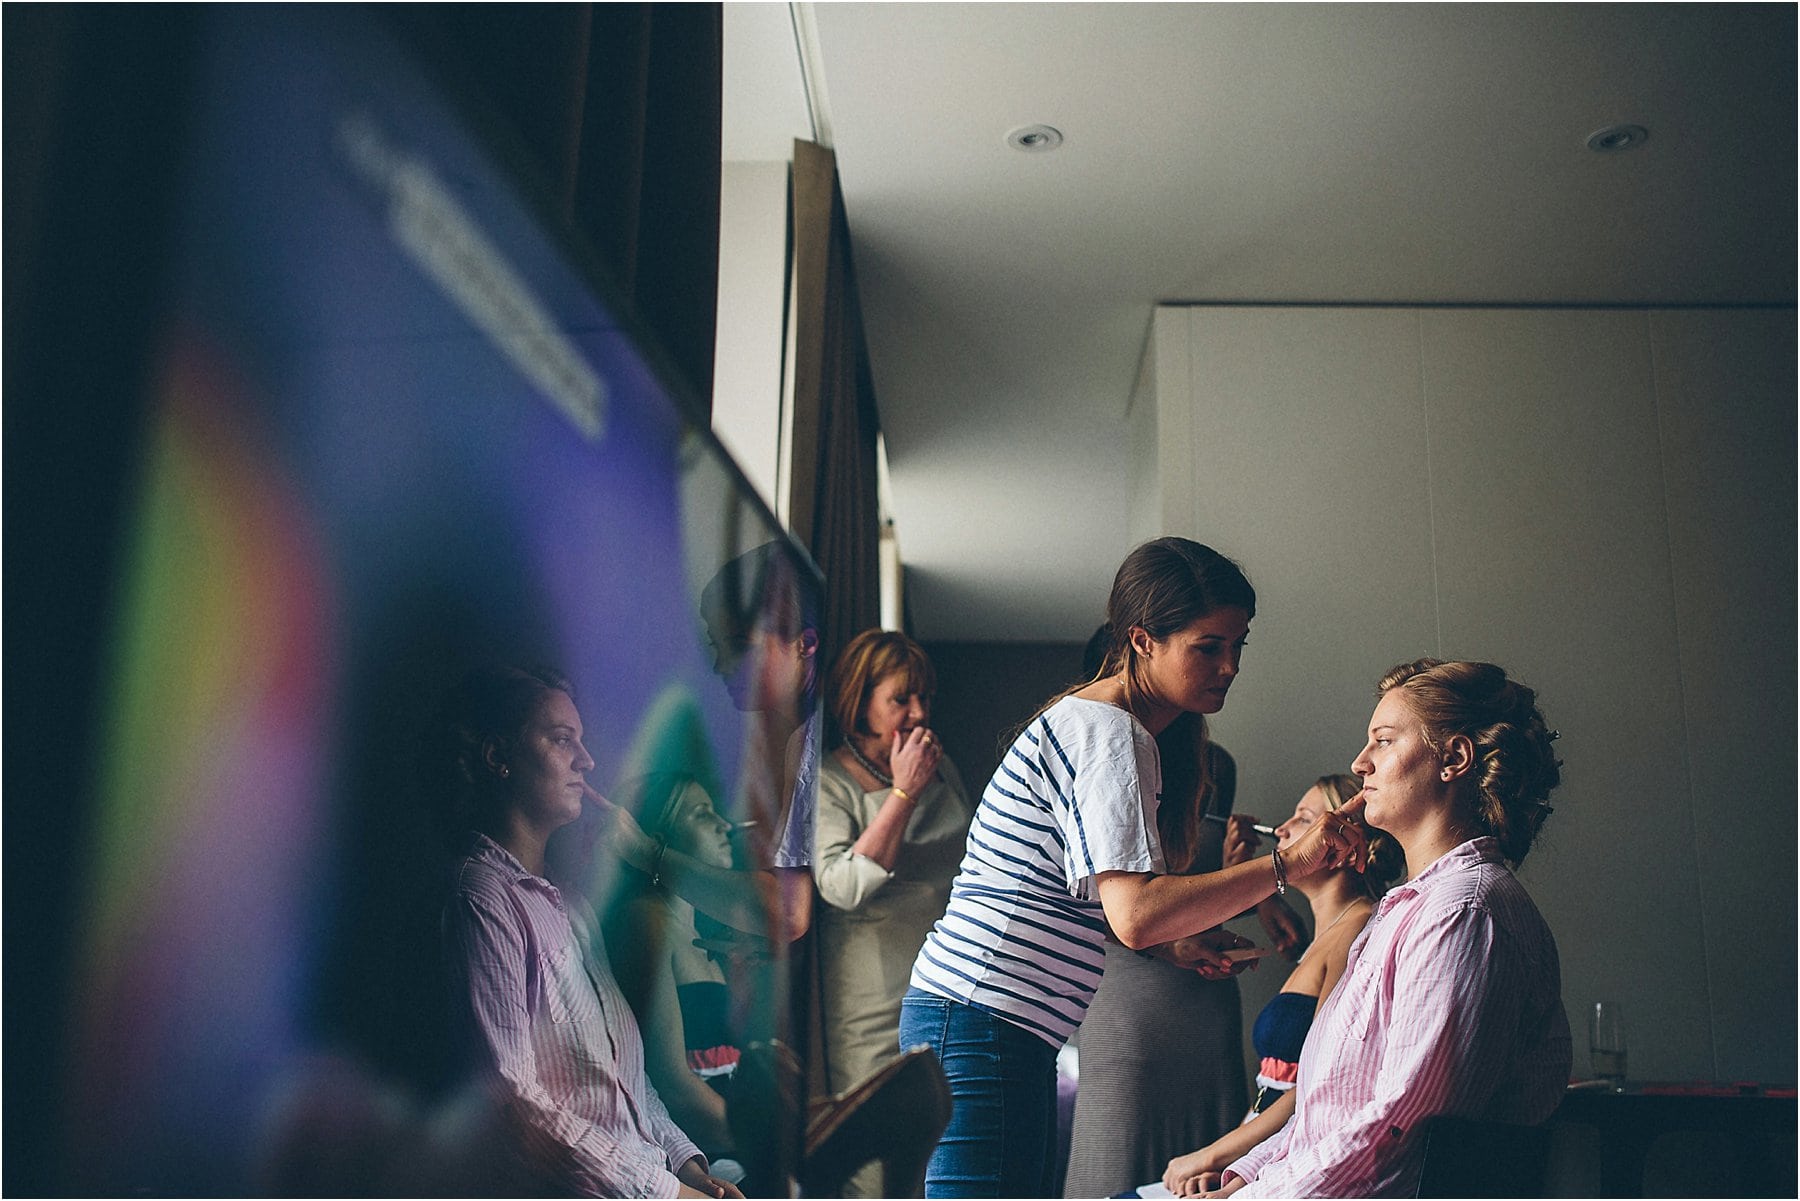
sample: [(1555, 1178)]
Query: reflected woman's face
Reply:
[(546, 769), (762, 671), (696, 829), (730, 655)]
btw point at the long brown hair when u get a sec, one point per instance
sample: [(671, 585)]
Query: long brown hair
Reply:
[(492, 703), (1162, 587)]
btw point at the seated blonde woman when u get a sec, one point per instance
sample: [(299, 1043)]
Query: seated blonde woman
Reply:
[(1342, 902), (678, 990)]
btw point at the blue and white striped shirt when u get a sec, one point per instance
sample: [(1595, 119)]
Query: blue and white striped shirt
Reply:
[(1075, 796)]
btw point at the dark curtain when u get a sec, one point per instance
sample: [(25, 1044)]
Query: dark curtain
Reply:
[(616, 107), (832, 502), (833, 508)]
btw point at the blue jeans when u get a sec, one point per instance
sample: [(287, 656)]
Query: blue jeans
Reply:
[(1002, 1133)]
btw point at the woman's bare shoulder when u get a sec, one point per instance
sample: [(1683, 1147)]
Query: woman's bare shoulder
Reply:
[(645, 912), (1338, 939)]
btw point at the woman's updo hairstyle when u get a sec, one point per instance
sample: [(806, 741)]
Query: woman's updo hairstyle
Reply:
[(488, 705), (1514, 768), (1386, 858)]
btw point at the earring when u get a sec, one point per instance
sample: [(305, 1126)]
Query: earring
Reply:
[(1446, 775), (506, 771)]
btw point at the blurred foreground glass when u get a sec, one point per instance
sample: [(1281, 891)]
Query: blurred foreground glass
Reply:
[(393, 428)]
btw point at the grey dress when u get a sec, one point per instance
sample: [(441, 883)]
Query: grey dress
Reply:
[(1161, 1054)]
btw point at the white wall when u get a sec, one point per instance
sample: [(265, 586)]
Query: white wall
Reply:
[(1143, 511), (747, 360), (1601, 501)]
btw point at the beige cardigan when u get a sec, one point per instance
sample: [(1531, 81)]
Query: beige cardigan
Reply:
[(873, 923)]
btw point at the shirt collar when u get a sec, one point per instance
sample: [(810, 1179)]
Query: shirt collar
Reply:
[(1485, 849), (489, 851)]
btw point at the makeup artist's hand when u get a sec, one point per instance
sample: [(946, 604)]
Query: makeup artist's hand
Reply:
[(1203, 953), (1335, 840), (737, 948), (1241, 839), (620, 834), (1287, 933)]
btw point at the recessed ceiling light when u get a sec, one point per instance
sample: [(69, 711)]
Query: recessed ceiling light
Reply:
[(1034, 138), (1617, 137)]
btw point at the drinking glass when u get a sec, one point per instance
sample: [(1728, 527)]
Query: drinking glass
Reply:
[(1606, 1042)]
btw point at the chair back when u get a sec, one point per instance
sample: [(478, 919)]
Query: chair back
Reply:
[(763, 1112), (894, 1117), (1468, 1158)]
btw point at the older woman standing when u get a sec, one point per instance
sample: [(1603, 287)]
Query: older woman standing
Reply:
[(1450, 1003), (892, 822)]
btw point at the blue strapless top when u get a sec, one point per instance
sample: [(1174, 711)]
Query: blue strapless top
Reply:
[(1281, 1027)]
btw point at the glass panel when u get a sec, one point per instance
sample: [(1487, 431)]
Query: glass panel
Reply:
[(398, 437)]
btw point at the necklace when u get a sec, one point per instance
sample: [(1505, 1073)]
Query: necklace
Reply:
[(887, 781), (1342, 913), (1320, 936)]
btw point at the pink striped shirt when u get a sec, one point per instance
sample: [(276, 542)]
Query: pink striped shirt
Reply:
[(555, 1043), (1451, 1003)]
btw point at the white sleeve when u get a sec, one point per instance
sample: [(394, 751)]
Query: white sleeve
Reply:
[(1106, 806), (795, 848)]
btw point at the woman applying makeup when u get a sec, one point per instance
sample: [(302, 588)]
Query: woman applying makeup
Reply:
[(1064, 849)]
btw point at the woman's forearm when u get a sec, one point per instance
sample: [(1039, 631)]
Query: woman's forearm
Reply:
[(696, 1108), (1234, 1144), (771, 903), (886, 834), (1145, 909)]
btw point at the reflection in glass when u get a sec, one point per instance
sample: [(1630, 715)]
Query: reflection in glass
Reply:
[(395, 433)]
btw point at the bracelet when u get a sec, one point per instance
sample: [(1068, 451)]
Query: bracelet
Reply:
[(901, 793), (662, 845), (1280, 873)]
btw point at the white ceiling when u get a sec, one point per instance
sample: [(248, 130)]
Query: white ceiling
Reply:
[(1292, 153)]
